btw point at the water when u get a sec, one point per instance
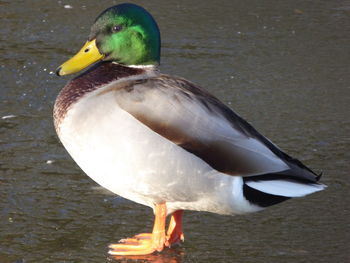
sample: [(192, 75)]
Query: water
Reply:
[(283, 65)]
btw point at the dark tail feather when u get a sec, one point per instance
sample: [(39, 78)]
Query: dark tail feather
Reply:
[(269, 189), (260, 198)]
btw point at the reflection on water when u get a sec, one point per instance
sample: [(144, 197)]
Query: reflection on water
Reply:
[(169, 255), (283, 65)]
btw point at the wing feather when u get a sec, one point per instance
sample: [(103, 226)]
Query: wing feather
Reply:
[(199, 123)]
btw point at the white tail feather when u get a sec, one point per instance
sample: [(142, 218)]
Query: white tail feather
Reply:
[(285, 188)]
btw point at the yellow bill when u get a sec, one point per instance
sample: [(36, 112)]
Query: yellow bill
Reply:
[(87, 55)]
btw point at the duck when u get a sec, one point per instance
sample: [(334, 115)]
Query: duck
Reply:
[(163, 141)]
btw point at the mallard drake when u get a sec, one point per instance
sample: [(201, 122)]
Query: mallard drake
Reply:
[(161, 140)]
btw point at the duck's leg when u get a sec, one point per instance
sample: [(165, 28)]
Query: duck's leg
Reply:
[(145, 243), (175, 234)]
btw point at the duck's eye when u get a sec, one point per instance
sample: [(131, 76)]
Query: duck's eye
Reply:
[(116, 28)]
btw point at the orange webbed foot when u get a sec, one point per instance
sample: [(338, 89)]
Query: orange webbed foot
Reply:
[(145, 243), (175, 234), (141, 244)]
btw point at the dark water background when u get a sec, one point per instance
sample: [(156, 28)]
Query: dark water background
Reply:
[(283, 65)]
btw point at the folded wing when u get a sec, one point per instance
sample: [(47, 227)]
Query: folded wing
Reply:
[(199, 123)]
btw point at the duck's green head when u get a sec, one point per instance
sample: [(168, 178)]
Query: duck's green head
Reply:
[(125, 33)]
